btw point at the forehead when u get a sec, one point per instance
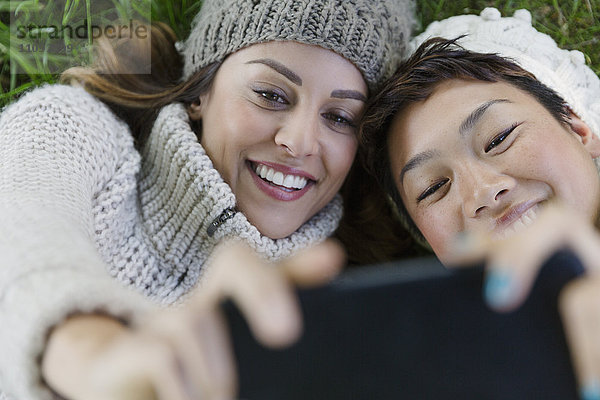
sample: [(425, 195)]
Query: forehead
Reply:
[(446, 108), (309, 61)]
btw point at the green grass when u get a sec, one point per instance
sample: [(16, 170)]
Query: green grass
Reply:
[(574, 24), (19, 71)]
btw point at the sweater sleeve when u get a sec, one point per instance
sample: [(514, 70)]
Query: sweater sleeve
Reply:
[(58, 147)]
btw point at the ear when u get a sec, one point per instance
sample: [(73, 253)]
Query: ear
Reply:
[(589, 139), (195, 109)]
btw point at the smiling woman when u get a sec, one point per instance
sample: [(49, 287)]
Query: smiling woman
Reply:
[(495, 130), (488, 164), (123, 184), (296, 111), (507, 169)]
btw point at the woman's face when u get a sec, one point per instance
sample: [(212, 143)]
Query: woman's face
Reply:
[(483, 156), (279, 124)]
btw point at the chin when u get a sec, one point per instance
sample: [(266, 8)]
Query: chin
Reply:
[(275, 233), (274, 228)]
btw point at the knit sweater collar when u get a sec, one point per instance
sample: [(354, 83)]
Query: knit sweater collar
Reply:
[(181, 194)]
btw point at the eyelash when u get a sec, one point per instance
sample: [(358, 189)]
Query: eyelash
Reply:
[(271, 97), (277, 100), (432, 189), (493, 143), (501, 137), (339, 120)]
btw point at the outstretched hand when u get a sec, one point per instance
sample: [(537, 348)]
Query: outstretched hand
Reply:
[(184, 353), (512, 265)]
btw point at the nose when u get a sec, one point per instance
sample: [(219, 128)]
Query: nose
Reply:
[(299, 133), (483, 189)]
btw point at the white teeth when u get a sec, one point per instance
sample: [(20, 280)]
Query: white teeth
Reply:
[(270, 174), (263, 171), (288, 181), (524, 221), (278, 178)]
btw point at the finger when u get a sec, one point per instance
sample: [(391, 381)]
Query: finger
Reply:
[(514, 263), (138, 366), (209, 358), (507, 279), (586, 245), (261, 291), (220, 376), (315, 265), (167, 376), (203, 350), (580, 311), (467, 248)]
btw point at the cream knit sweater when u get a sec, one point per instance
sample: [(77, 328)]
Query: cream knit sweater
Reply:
[(79, 207)]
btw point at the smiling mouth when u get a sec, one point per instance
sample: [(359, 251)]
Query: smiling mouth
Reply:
[(525, 219), (286, 182)]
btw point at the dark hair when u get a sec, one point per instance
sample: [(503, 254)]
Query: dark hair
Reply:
[(137, 98), (436, 61), (369, 229)]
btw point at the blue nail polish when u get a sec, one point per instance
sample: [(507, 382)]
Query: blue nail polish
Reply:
[(590, 391), (498, 288)]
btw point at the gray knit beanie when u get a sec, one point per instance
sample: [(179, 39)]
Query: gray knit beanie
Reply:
[(372, 34)]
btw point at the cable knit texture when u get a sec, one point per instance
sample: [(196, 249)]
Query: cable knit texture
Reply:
[(371, 34), (562, 70), (78, 201)]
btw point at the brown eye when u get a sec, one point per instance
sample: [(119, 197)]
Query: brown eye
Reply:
[(432, 189), (338, 119), (500, 138), (271, 96)]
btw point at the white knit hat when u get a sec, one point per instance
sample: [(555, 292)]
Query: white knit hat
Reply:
[(562, 70)]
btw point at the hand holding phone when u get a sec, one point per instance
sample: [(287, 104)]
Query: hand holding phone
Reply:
[(415, 330)]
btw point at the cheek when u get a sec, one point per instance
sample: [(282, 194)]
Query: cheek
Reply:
[(435, 236), (225, 139), (338, 155), (577, 185), (438, 227), (571, 174)]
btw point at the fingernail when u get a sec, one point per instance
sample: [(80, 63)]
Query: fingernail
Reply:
[(590, 391), (498, 288)]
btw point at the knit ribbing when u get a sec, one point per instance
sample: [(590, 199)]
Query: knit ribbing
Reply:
[(373, 35), (58, 146), (78, 201), (514, 37), (161, 248), (181, 194)]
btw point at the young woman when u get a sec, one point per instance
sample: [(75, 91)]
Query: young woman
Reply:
[(249, 139), (485, 159)]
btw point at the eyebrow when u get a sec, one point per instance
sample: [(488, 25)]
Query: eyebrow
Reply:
[(349, 94), (279, 67), (476, 115), (417, 161), (464, 128)]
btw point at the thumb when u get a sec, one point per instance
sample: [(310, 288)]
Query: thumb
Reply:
[(315, 265)]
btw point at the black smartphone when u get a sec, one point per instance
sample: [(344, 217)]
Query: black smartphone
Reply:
[(415, 330)]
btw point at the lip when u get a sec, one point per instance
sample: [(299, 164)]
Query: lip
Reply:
[(285, 169), (514, 213), (274, 191)]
